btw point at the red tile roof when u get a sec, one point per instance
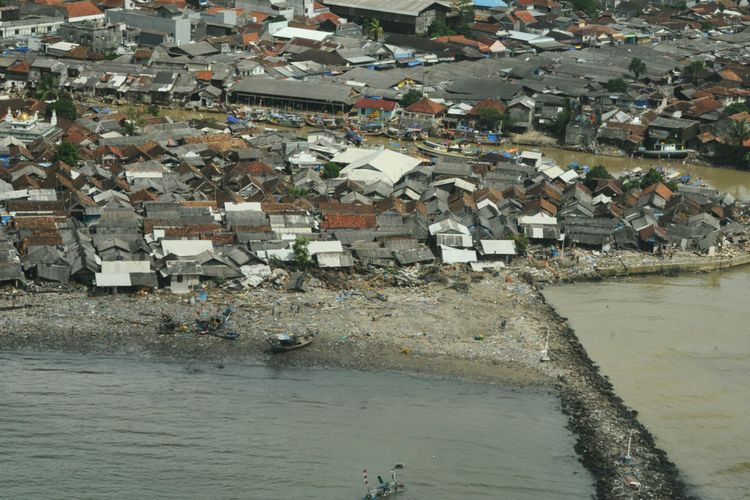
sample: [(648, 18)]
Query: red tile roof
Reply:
[(426, 106), (383, 104), (204, 76), (20, 67), (81, 9), (525, 16), (350, 221), (488, 103), (659, 189)]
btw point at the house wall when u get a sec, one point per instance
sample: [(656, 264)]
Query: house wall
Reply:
[(178, 27), (30, 27), (99, 39)]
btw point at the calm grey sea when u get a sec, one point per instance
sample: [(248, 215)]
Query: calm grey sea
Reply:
[(75, 427)]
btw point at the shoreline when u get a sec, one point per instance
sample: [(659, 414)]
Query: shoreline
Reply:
[(364, 332)]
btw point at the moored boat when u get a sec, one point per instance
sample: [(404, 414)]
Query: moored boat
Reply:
[(665, 151), (434, 149)]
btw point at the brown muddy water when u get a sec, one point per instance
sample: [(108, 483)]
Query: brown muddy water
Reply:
[(677, 350)]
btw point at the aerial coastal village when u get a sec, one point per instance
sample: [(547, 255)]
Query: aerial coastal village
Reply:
[(366, 153)]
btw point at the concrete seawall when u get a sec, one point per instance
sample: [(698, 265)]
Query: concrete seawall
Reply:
[(707, 265)]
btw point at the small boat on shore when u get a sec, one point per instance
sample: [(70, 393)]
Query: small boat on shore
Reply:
[(216, 325), (284, 342)]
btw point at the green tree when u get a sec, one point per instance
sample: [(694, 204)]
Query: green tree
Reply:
[(738, 132), (48, 87), (331, 170), (153, 109), (297, 192), (490, 119), (412, 96), (692, 69), (67, 153), (375, 30), (301, 250), (439, 28), (637, 67), (64, 107), (129, 127), (737, 107), (590, 7), (651, 177), (560, 123), (617, 85), (464, 10), (522, 243), (596, 173)]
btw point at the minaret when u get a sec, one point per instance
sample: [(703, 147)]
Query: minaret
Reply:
[(53, 119)]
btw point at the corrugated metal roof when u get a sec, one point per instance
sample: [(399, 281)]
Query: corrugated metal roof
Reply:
[(498, 247), (126, 266), (402, 7), (186, 248), (112, 279)]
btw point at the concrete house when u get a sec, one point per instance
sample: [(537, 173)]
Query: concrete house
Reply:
[(396, 16)]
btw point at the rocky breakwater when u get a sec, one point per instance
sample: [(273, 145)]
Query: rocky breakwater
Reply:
[(439, 321)]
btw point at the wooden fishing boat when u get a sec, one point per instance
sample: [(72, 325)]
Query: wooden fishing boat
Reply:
[(284, 342), (434, 149)]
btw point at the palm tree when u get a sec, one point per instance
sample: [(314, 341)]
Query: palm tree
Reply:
[(48, 87), (375, 30), (637, 67), (739, 131)]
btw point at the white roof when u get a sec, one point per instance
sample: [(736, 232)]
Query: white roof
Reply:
[(569, 176), (522, 37), (553, 172), (541, 219), (186, 248), (126, 266), (452, 255), (316, 247), (459, 183), (601, 198), (288, 32), (498, 247), (448, 225), (382, 165), (350, 155), (63, 46), (112, 279), (283, 254), (250, 206), (531, 155)]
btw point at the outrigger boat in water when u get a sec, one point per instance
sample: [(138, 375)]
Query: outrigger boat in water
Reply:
[(384, 488)]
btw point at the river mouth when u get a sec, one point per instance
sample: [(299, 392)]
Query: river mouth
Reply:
[(87, 425), (675, 349)]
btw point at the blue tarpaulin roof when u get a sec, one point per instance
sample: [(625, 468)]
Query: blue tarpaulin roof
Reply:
[(232, 119), (490, 3)]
